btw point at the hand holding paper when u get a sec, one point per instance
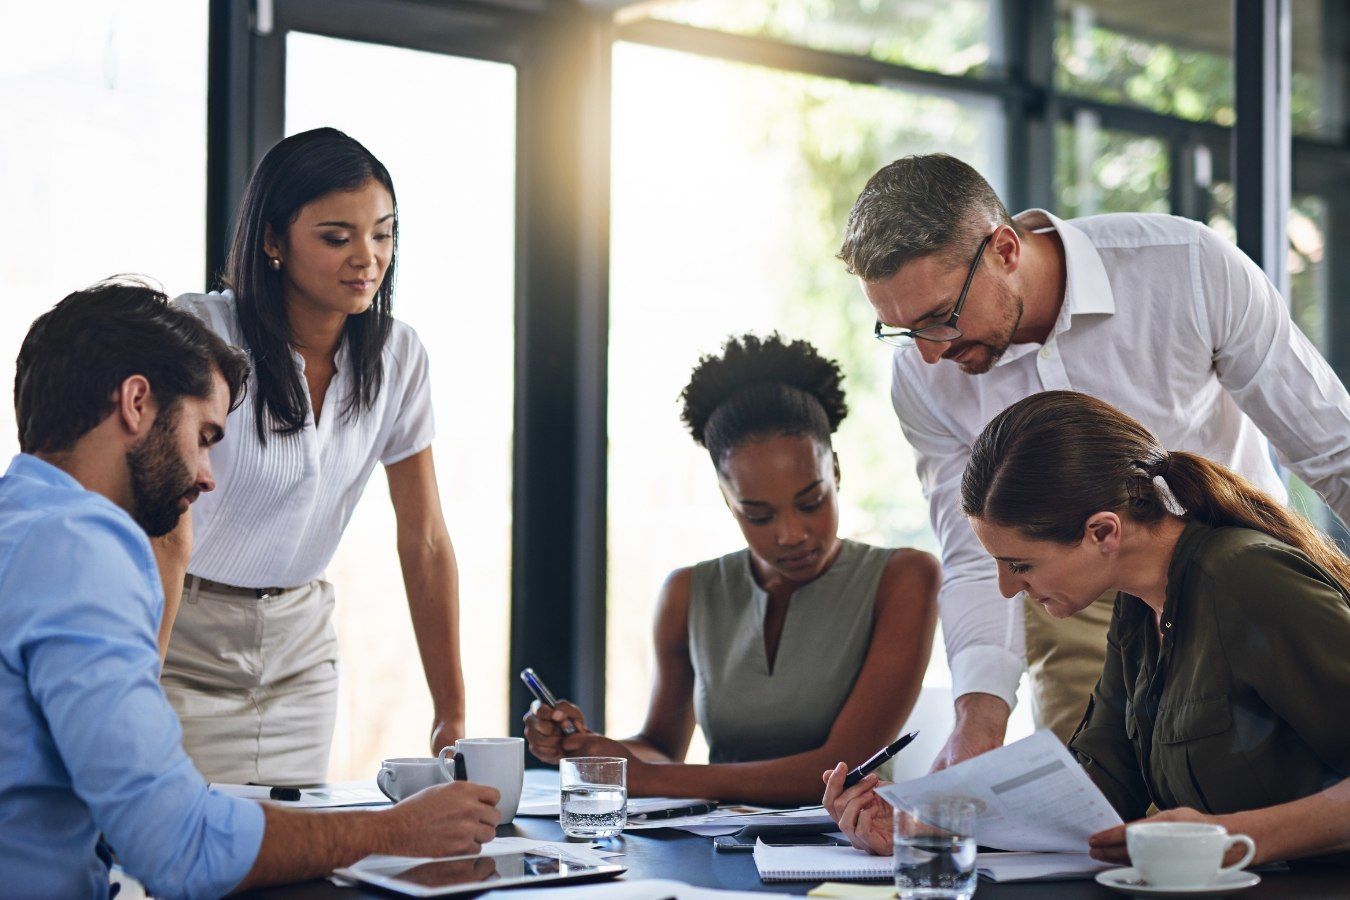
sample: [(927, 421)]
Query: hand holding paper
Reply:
[(1030, 795)]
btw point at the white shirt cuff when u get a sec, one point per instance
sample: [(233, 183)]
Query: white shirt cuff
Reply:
[(987, 670)]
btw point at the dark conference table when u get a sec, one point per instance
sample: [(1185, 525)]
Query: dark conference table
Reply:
[(681, 856)]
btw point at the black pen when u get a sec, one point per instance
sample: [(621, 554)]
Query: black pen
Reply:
[(694, 809), (544, 696), (875, 762)]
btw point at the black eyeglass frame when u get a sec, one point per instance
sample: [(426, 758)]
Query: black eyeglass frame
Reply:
[(945, 332)]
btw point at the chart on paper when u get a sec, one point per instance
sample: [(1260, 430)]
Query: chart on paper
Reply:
[(1031, 795)]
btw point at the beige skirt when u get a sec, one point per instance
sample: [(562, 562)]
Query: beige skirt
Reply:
[(254, 681)]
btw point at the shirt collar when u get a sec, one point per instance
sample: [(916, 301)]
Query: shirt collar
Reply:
[(1087, 290), (26, 465)]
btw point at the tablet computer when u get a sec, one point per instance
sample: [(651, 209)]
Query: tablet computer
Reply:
[(467, 874)]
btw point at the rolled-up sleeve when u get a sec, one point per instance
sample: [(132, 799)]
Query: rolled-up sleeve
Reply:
[(983, 631), (92, 666), (1272, 370)]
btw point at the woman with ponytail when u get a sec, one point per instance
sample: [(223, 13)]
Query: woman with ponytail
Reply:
[(1223, 697), (795, 651)]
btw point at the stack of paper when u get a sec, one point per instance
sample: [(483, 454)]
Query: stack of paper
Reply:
[(325, 796), (1038, 866)]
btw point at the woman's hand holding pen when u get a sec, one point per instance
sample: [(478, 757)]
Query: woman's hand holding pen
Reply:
[(544, 730), (863, 817)]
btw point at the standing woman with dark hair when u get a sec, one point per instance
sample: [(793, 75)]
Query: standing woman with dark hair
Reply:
[(338, 386), (1223, 697), (795, 651)]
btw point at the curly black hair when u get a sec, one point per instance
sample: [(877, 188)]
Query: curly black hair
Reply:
[(760, 387)]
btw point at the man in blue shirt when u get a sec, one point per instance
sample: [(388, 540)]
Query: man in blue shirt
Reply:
[(118, 397)]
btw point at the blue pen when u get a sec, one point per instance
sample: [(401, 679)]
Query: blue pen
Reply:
[(875, 761), (544, 696)]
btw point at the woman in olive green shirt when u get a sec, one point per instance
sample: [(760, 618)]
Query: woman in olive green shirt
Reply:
[(1227, 667)]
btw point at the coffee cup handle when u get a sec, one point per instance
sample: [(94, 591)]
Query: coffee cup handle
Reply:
[(452, 764), (1247, 857), (384, 780)]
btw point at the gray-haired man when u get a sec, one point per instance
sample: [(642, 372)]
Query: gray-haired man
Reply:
[(1155, 314)]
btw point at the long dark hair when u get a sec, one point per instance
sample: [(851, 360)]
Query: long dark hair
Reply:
[(762, 387), (296, 171), (1048, 462)]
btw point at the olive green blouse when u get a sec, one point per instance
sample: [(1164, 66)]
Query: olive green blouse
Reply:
[(1245, 701)]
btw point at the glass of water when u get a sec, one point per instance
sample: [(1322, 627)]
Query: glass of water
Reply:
[(935, 850), (594, 796)]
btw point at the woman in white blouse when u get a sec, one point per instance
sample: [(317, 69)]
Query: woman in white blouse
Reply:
[(338, 385)]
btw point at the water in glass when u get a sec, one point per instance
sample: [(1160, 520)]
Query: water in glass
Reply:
[(594, 810), (935, 868)]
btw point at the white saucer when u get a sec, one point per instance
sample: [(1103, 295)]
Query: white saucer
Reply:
[(1129, 881)]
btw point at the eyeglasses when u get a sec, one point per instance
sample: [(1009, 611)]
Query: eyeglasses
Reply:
[(943, 333)]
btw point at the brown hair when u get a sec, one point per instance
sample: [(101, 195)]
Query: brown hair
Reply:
[(919, 206), (1048, 462)]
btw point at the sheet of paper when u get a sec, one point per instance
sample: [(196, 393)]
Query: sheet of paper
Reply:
[(729, 819), (641, 889), (1038, 866), (839, 889), (325, 796), (1030, 795), (543, 800)]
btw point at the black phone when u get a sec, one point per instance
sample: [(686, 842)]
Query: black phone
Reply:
[(788, 834)]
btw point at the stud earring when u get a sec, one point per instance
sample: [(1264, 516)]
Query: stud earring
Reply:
[(276, 263)]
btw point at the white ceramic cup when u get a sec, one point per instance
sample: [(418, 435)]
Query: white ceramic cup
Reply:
[(497, 762), (1183, 854), (401, 777)]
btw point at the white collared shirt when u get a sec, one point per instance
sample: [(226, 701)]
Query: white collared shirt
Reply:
[(1172, 324), (278, 511)]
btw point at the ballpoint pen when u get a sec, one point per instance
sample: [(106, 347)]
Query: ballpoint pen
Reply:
[(876, 760), (544, 696)]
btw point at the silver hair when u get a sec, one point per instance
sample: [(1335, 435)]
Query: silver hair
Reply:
[(919, 206)]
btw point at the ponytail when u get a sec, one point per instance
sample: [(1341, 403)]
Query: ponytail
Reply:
[(1219, 497)]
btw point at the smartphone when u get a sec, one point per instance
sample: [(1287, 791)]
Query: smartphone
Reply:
[(543, 695), (734, 843)]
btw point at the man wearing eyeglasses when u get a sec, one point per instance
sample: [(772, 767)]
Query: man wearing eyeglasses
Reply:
[(1154, 314)]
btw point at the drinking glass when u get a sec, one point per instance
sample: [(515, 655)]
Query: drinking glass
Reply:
[(935, 850), (594, 796)]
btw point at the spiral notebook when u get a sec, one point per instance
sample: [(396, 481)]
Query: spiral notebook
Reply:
[(820, 864)]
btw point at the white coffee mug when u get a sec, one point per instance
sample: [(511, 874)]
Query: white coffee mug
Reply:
[(497, 762), (404, 776), (1183, 854)]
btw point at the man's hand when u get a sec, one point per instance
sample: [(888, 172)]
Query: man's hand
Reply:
[(863, 817), (445, 730), (544, 729), (454, 819), (981, 723)]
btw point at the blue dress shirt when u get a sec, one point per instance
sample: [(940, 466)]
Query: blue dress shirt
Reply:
[(88, 743)]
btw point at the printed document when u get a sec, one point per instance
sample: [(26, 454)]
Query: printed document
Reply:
[(1029, 795)]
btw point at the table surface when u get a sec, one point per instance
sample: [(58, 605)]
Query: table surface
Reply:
[(681, 856)]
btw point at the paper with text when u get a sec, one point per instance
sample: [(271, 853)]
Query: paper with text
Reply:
[(1030, 795)]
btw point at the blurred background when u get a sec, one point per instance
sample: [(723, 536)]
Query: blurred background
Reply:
[(592, 194)]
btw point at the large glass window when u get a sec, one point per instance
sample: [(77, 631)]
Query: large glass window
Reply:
[(102, 157), (730, 189), (445, 128), (956, 37), (1173, 58), (1101, 171)]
